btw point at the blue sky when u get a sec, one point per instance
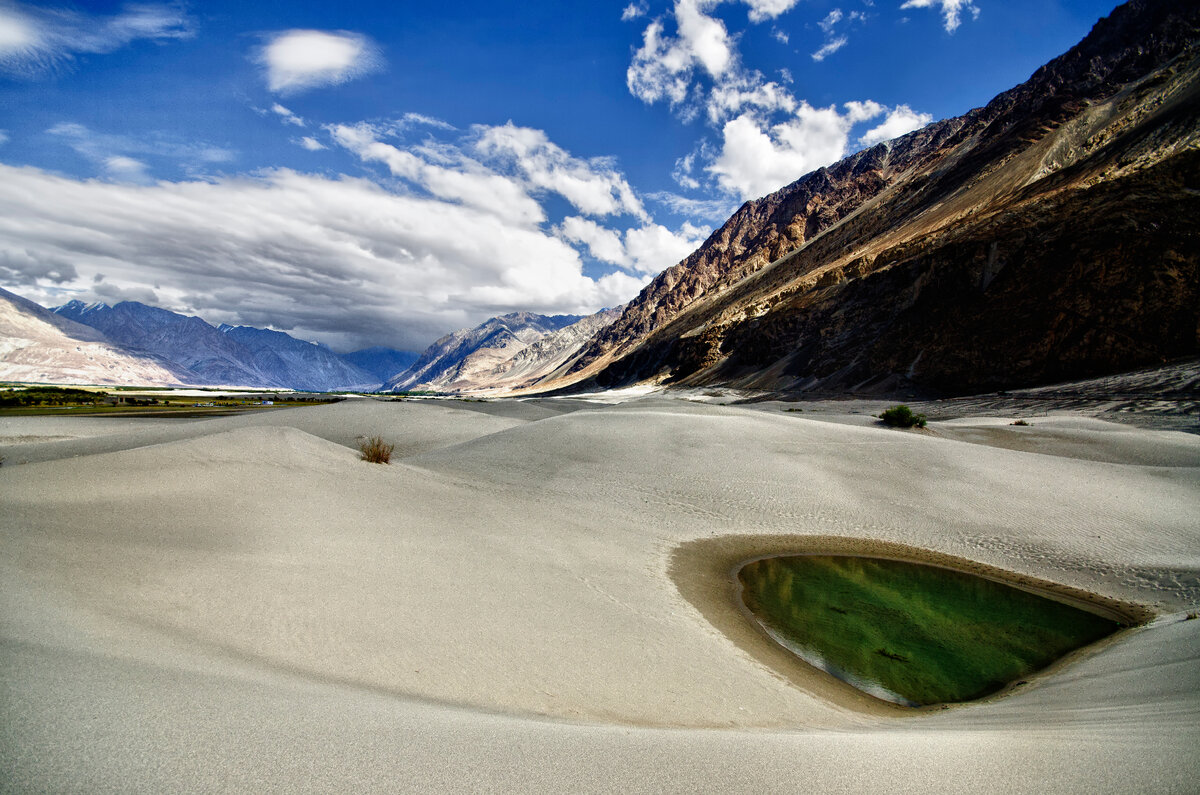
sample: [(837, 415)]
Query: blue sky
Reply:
[(385, 172)]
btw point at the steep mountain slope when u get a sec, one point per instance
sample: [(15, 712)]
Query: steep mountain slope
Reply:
[(299, 364), (38, 345), (1049, 235), (541, 358), (464, 358), (382, 363)]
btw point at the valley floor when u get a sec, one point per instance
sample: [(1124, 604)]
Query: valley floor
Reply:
[(240, 603)]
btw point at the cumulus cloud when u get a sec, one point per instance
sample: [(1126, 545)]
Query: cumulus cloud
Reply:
[(646, 249), (663, 67), (754, 160), (312, 144), (761, 10), (902, 119), (37, 38), (952, 10), (593, 186), (299, 60), (339, 259), (768, 136)]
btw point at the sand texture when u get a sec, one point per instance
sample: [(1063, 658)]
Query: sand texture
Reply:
[(530, 598)]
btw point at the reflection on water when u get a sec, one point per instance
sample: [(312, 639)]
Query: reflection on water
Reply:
[(910, 633)]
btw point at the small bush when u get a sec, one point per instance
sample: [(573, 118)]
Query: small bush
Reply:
[(902, 416), (375, 450), (1022, 423)]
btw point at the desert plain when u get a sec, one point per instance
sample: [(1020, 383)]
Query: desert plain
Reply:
[(535, 596)]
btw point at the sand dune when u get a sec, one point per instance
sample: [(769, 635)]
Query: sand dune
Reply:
[(241, 603)]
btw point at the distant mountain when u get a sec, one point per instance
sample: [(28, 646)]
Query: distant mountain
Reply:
[(188, 341), (229, 355), (545, 358), (301, 365), (382, 363), (1049, 236), (38, 345), (464, 359)]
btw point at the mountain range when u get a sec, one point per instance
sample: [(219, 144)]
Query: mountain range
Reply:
[(504, 353), (1050, 235)]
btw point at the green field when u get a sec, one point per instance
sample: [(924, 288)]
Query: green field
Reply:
[(927, 635), (53, 400)]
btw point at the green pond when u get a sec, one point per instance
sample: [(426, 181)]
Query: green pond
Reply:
[(909, 633)]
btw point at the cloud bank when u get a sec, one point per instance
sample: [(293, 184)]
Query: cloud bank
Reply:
[(448, 231)]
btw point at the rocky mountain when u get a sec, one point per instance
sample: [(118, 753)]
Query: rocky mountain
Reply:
[(190, 342), (301, 365), (1050, 235), (40, 346), (382, 363), (229, 355), (502, 353)]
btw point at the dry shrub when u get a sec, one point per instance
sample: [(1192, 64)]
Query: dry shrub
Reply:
[(375, 450)]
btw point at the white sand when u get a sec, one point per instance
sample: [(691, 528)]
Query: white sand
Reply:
[(241, 603)]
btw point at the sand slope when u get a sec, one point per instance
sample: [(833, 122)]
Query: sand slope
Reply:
[(242, 603)]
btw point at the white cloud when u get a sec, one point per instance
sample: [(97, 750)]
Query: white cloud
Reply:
[(286, 115), (755, 161), (34, 39), (3, 137), (902, 119), (602, 243), (593, 187), (634, 10), (298, 60), (653, 247), (113, 153), (311, 144), (469, 182), (682, 173), (761, 10), (714, 210), (831, 19), (780, 36), (829, 48), (647, 249), (748, 90), (126, 169), (952, 10), (663, 67), (339, 259)]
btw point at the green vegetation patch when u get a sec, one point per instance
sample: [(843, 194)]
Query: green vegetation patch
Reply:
[(911, 633)]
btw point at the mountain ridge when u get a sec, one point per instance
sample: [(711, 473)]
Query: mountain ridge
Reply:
[(1122, 101)]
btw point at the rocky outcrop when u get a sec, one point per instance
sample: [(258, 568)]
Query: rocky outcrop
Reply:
[(1050, 234)]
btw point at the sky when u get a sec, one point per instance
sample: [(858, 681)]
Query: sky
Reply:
[(382, 173)]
